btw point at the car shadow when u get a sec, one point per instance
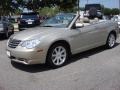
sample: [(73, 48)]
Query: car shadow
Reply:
[(89, 53), (31, 68), (44, 67)]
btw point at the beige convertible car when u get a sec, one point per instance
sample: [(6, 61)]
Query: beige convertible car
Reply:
[(59, 37)]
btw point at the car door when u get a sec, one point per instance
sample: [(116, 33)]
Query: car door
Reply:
[(101, 32), (85, 38)]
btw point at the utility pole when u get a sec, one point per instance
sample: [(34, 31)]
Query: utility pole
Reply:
[(78, 2), (87, 1)]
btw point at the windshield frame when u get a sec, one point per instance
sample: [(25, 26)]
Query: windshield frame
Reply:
[(68, 17)]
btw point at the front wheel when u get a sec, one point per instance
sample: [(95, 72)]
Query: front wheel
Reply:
[(57, 55), (111, 41)]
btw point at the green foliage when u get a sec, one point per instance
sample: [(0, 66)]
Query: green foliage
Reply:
[(68, 5), (62, 5), (48, 11), (5, 8), (115, 11), (17, 12), (33, 5), (107, 11)]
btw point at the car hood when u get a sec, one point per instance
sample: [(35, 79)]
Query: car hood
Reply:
[(36, 32)]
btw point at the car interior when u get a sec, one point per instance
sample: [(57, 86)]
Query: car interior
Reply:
[(81, 22)]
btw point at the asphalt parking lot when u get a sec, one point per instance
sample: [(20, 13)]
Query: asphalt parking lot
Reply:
[(97, 69)]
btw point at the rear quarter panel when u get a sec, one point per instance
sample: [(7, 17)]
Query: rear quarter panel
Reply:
[(113, 26)]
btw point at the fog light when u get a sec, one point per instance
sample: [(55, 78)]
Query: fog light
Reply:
[(24, 60)]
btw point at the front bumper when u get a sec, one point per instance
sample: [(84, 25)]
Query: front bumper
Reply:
[(26, 57)]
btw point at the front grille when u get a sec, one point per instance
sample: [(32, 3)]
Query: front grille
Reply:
[(13, 43)]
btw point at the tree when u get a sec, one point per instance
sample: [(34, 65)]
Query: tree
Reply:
[(21, 2), (64, 5), (10, 6), (107, 11), (67, 5), (5, 7), (46, 11), (33, 5), (115, 11)]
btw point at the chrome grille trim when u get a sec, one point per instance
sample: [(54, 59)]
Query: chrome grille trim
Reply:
[(13, 43)]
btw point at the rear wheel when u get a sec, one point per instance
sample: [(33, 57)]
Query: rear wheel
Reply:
[(57, 55), (111, 41)]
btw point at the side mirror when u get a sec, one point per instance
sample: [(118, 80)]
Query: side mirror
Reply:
[(79, 25)]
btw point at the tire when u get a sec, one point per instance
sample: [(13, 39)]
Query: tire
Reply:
[(57, 55), (111, 41), (92, 13)]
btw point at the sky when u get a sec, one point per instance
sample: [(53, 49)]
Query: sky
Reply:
[(106, 3)]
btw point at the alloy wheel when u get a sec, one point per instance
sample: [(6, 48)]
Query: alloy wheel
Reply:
[(59, 55), (111, 40)]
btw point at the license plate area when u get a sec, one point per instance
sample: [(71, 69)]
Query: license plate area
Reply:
[(29, 22)]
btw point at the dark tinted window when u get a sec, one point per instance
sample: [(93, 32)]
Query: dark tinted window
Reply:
[(29, 15), (97, 6)]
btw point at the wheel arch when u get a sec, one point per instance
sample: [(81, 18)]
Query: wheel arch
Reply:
[(113, 32), (64, 42), (107, 44)]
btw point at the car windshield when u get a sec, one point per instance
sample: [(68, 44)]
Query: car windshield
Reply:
[(28, 16), (60, 20)]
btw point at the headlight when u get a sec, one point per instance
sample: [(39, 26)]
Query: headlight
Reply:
[(29, 44)]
